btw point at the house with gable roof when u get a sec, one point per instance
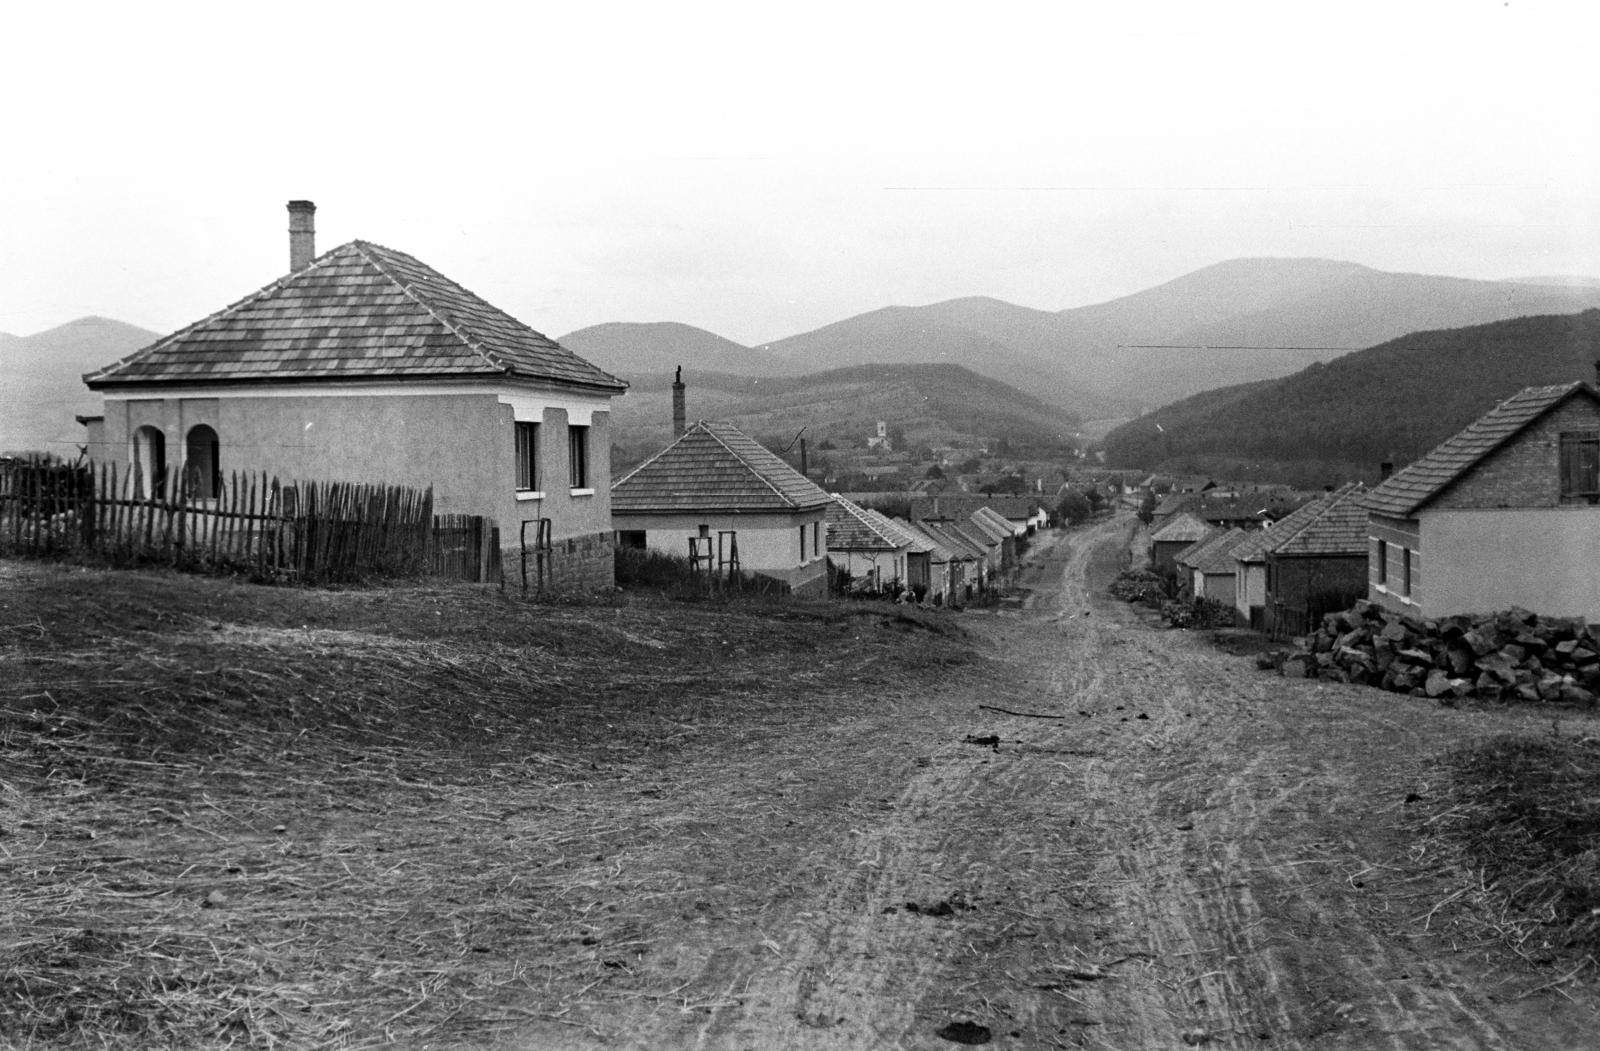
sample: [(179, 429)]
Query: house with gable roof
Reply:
[(365, 364), (717, 495), (1318, 567), (945, 572), (1180, 532), (969, 558), (1250, 562), (865, 544), (1505, 512), (1206, 569)]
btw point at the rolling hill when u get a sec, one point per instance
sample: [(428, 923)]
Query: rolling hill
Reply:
[(1339, 420), (933, 404), (41, 381), (635, 348), (1237, 321)]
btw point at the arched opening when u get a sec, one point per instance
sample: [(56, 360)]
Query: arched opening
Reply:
[(149, 462), (202, 465)]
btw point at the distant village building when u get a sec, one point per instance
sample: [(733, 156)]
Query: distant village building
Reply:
[(366, 365), (1319, 567), (1181, 531)]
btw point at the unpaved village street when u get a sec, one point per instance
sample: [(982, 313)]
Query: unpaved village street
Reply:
[(453, 817), (1195, 853)]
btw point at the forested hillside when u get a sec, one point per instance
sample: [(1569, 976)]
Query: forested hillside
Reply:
[(922, 404), (1339, 420)]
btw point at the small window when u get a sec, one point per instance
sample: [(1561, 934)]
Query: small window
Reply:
[(149, 462), (631, 539), (203, 463), (527, 455), (578, 456), (1383, 562), (816, 537), (802, 543), (1580, 467), (1405, 571)]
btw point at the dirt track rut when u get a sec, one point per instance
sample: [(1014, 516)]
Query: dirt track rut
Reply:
[(1192, 853)]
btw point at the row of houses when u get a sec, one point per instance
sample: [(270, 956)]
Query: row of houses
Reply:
[(365, 363), (1506, 512), (731, 505)]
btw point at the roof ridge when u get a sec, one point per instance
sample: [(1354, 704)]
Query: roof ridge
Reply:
[(863, 516), (231, 308), (1396, 485), (781, 495), (658, 455), (1323, 505), (476, 346)]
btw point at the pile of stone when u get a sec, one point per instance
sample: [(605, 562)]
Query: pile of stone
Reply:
[(1514, 655)]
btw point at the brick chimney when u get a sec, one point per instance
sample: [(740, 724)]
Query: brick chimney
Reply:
[(302, 235), (680, 414)]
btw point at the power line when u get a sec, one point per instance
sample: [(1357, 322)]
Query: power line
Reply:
[(1202, 346)]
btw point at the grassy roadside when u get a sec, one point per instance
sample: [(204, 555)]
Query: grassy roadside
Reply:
[(252, 816)]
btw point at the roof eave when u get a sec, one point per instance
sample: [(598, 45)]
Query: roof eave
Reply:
[(345, 379)]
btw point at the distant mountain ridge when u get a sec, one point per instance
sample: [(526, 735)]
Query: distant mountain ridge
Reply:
[(1242, 320), (1337, 421), (625, 347), (41, 381), (1236, 321)]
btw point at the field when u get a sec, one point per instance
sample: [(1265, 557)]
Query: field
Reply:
[(254, 817)]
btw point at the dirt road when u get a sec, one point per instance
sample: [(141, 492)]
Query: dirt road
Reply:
[(1186, 852)]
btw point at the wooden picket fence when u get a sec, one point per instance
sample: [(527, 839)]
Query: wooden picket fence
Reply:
[(311, 533)]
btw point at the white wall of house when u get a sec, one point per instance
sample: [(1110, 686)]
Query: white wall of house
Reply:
[(1250, 587), (889, 565), (768, 543), (1542, 559)]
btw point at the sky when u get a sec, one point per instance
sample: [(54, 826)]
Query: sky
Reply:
[(760, 170)]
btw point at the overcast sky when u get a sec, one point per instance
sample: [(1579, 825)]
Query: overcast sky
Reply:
[(763, 169)]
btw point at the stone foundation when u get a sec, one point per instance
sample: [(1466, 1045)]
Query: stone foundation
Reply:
[(577, 565)]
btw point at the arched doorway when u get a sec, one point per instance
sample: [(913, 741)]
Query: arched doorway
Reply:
[(202, 465), (149, 462)]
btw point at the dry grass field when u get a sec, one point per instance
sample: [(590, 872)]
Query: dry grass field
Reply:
[(235, 814)]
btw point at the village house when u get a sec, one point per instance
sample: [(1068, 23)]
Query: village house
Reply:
[(1504, 513), (723, 500), (945, 566), (1206, 569), (1179, 533), (874, 551), (366, 365), (1026, 514), (1319, 567), (1250, 563), (969, 557)]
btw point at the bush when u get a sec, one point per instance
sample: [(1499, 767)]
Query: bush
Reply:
[(1141, 586), (1199, 613)]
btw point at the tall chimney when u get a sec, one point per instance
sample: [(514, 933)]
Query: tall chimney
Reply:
[(1385, 469), (680, 414), (302, 235), (1597, 373)]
